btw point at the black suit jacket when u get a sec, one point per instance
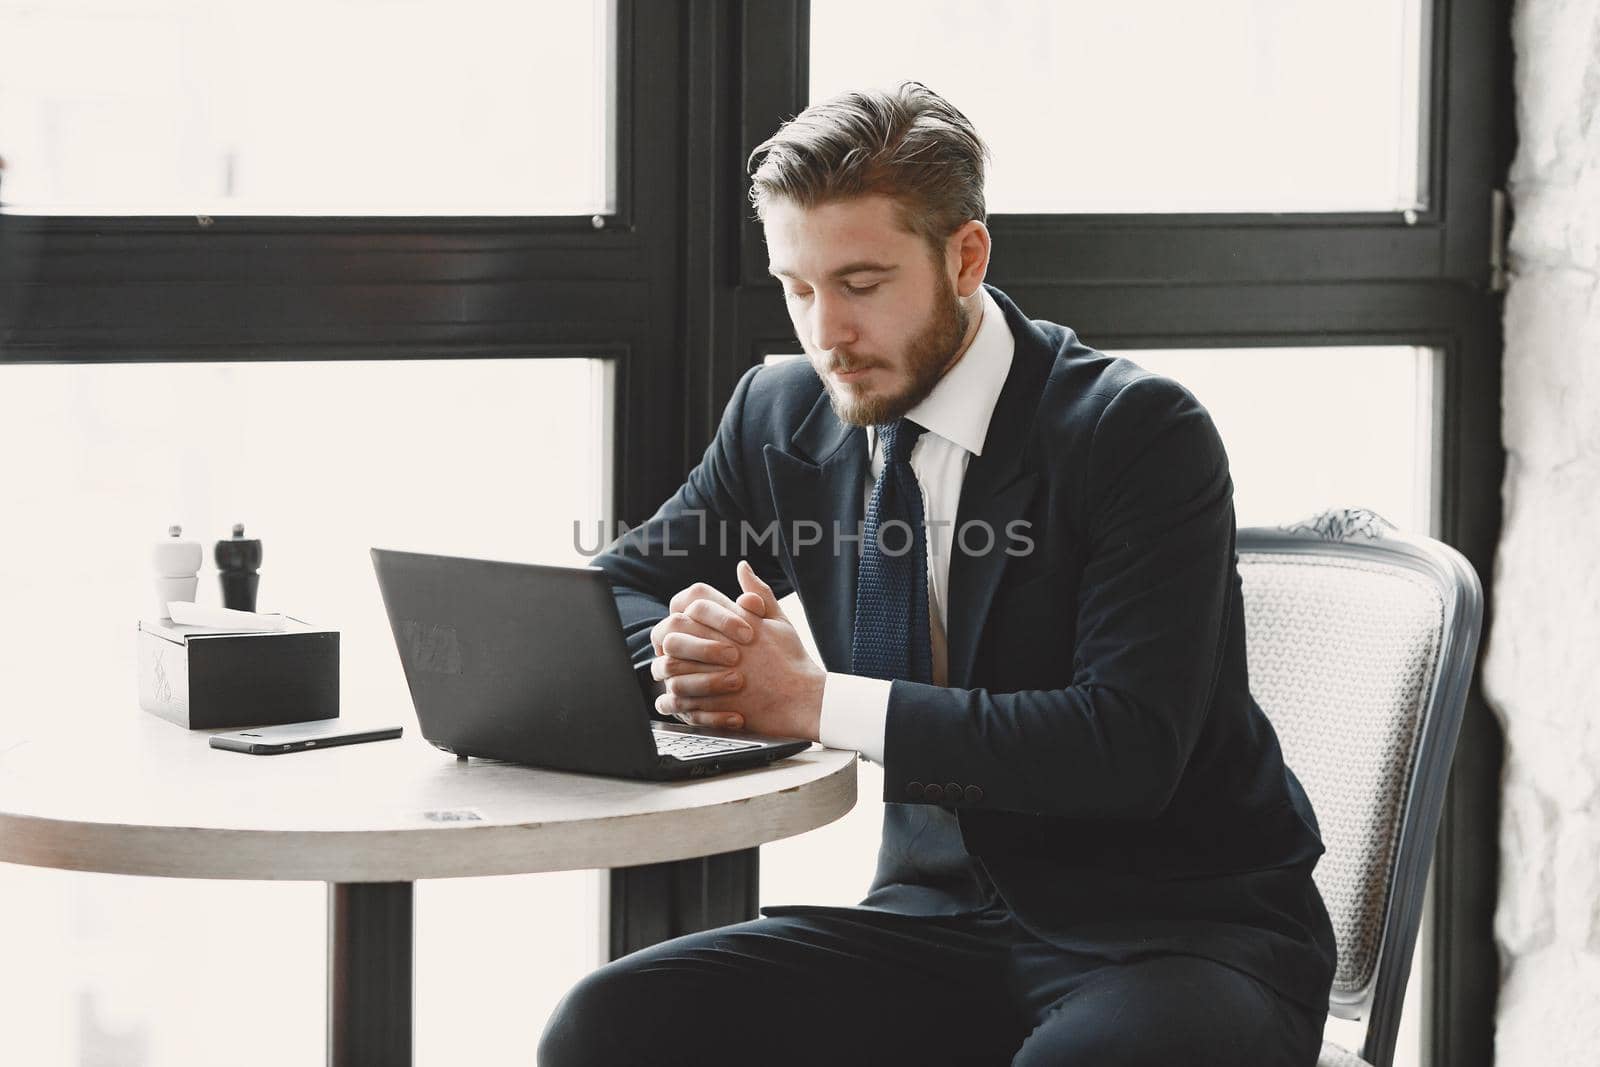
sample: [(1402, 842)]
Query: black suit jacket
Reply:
[(1113, 775)]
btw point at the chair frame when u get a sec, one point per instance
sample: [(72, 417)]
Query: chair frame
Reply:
[(1360, 535)]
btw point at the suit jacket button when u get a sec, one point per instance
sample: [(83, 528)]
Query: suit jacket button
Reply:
[(932, 792), (952, 793), (914, 790), (974, 794)]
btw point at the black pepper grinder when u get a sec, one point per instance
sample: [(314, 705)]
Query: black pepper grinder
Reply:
[(238, 561)]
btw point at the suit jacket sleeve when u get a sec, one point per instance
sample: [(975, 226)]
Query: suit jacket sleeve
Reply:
[(1151, 624), (694, 537)]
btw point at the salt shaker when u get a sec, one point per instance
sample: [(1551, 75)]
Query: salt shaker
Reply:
[(177, 564)]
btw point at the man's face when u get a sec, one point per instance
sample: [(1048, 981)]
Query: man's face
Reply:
[(878, 318)]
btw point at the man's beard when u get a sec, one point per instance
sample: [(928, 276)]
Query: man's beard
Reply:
[(927, 357)]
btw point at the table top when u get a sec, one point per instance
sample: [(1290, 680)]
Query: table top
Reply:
[(134, 794)]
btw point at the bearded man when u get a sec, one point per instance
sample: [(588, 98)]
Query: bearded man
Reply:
[(1026, 600)]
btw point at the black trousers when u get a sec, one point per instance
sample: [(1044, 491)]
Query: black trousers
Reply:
[(855, 986)]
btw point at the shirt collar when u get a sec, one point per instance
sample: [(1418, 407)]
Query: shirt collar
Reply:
[(962, 402)]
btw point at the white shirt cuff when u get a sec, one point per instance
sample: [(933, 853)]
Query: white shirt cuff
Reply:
[(855, 714)]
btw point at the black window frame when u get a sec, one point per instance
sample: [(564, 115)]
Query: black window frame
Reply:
[(217, 288)]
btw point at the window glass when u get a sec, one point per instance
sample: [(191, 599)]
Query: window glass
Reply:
[(1158, 105), (500, 459), (306, 107), (1312, 428)]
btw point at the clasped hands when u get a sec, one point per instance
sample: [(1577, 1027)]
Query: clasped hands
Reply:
[(737, 664)]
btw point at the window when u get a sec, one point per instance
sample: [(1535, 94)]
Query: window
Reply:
[(1313, 428), (1159, 105), (500, 459), (310, 107), (206, 307)]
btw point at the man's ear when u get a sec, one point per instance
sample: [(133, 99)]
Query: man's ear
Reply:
[(967, 253)]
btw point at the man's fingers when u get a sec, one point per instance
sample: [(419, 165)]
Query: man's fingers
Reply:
[(664, 667), (699, 649), (695, 713), (698, 591), (750, 582), (705, 684), (678, 622), (722, 619)]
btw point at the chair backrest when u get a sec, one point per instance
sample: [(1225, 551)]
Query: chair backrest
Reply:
[(1361, 644)]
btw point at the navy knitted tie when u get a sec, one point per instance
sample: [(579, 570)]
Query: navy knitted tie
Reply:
[(890, 639)]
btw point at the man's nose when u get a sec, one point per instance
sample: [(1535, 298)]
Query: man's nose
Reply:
[(831, 323)]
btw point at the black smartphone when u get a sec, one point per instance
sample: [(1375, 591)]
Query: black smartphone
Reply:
[(299, 736)]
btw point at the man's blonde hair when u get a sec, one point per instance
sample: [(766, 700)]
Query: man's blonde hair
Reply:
[(908, 143)]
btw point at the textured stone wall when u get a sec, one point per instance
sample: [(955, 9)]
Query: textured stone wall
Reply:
[(1543, 669)]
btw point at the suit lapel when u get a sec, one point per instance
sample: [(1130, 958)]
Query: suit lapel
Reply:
[(997, 490), (823, 482)]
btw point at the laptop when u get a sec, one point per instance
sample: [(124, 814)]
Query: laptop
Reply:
[(527, 663)]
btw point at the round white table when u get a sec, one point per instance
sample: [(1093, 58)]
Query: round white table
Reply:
[(139, 795)]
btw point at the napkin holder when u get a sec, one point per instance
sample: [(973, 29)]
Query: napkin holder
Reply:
[(204, 677)]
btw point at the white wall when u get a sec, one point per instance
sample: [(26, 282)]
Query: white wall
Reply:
[(1541, 676)]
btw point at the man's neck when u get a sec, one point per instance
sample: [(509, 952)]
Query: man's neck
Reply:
[(972, 331)]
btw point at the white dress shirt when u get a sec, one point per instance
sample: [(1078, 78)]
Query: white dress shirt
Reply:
[(956, 414)]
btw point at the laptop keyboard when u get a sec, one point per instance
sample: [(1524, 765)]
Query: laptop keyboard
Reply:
[(688, 746)]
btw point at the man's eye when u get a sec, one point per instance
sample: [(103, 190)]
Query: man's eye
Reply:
[(857, 290), (798, 295)]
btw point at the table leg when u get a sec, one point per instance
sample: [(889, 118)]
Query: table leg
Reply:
[(369, 973), (656, 901)]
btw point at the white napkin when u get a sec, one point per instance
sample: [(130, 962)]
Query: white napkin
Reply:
[(187, 614)]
